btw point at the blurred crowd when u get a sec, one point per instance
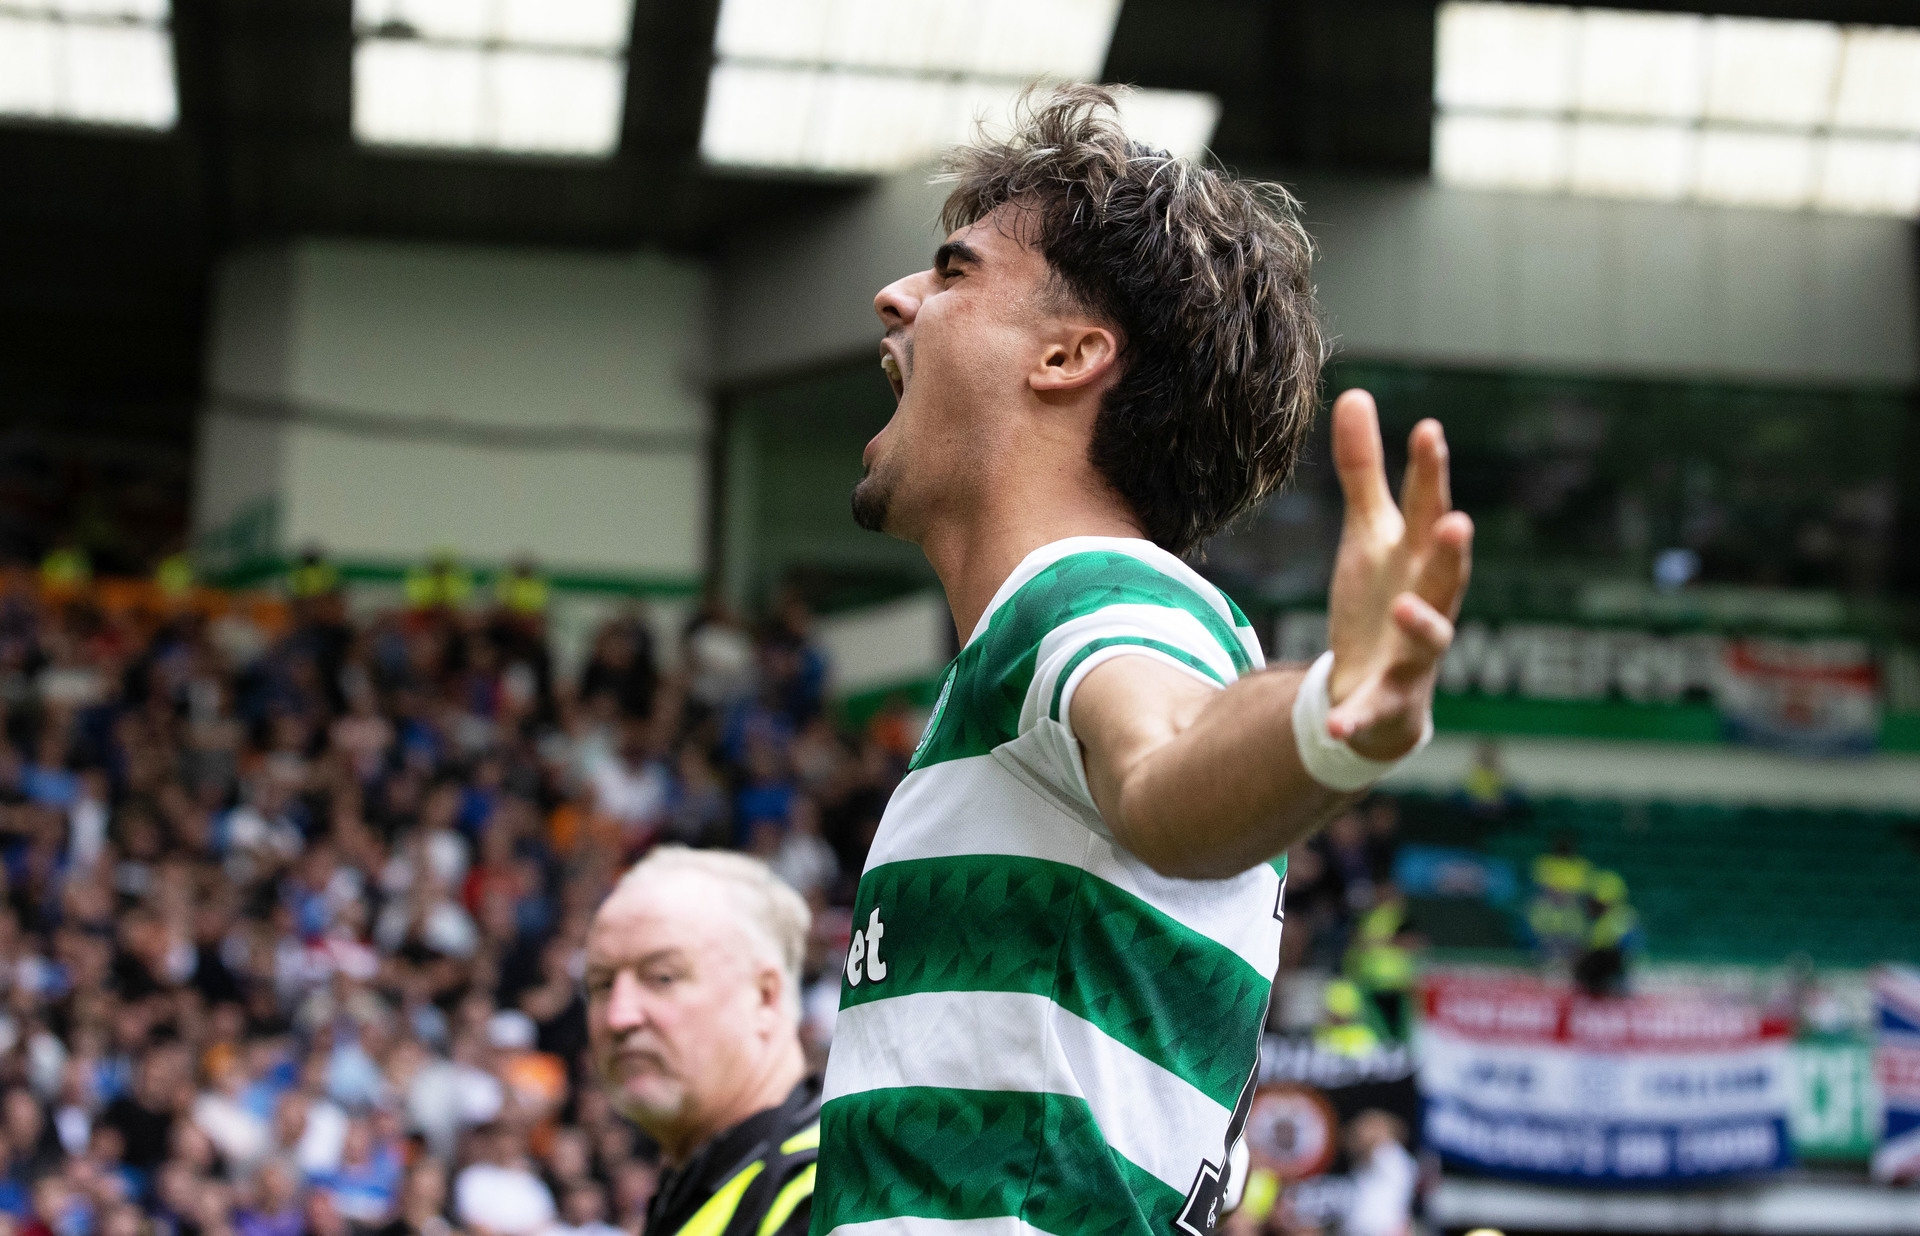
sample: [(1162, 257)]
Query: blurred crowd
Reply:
[(1348, 919), (294, 904)]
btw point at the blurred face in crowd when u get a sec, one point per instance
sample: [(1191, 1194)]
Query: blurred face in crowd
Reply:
[(1371, 1130), (278, 1190), (123, 1221), (426, 1190), (23, 1120), (683, 1010), (973, 346)]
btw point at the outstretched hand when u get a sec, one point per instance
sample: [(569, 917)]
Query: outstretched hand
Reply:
[(1397, 583)]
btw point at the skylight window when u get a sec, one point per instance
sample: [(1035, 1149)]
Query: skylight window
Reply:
[(867, 86), (106, 62), (523, 76), (1748, 112)]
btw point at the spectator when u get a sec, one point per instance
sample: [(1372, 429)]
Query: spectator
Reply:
[(366, 1184), (144, 1118), (622, 668), (583, 1212), (498, 1191), (1381, 960), (287, 891), (1344, 1027), (631, 787), (803, 858), (1384, 1176), (1557, 913), (1613, 934), (423, 1203), (275, 1206), (238, 1132)]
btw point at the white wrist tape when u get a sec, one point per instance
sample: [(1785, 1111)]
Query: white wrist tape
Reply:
[(1327, 759)]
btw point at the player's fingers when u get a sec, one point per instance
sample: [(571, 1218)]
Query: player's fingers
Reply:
[(1358, 457), (1357, 712), (1424, 495), (1427, 632), (1380, 712), (1448, 564)]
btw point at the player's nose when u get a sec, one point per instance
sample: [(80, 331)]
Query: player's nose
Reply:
[(899, 302)]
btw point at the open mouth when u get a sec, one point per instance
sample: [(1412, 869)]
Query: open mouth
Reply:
[(890, 365)]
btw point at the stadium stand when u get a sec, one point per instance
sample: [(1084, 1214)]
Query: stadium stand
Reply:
[(292, 905), (1716, 883)]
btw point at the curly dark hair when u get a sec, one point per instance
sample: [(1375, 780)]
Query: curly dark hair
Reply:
[(1208, 279)]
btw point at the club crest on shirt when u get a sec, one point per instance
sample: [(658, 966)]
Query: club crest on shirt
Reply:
[(933, 721)]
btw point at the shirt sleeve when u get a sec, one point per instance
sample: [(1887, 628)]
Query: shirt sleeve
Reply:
[(1171, 634)]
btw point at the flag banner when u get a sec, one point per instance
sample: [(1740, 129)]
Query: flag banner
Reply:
[(1896, 1065), (1816, 697), (1524, 1080)]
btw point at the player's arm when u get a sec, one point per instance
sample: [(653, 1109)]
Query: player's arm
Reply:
[(1202, 782)]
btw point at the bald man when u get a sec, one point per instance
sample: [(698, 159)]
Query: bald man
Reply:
[(693, 989)]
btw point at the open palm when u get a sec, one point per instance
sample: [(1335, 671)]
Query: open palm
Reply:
[(1397, 583)]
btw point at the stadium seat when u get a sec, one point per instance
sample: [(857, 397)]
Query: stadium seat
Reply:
[(1715, 883)]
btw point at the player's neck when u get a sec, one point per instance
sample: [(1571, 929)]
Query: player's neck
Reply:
[(973, 554)]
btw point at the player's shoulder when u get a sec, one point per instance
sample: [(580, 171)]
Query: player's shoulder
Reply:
[(1082, 576), (1085, 584)]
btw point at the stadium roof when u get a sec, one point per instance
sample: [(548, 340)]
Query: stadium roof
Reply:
[(592, 132), (1667, 106)]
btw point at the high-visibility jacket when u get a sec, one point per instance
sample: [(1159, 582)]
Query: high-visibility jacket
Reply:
[(1347, 1039), (174, 576), (1614, 927), (66, 568), (523, 594), (1374, 961), (1557, 921), (1562, 873), (441, 582), (313, 577), (755, 1179)]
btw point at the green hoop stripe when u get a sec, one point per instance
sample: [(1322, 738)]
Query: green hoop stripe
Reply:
[(994, 672), (1179, 654), (923, 1152), (997, 923)]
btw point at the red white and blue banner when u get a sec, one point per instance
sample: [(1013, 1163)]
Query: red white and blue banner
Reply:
[(1816, 697), (1524, 1080), (1896, 1064)]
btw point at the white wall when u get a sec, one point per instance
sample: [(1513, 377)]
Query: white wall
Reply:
[(1417, 271), (1410, 270), (590, 509), (394, 399), (238, 464), (801, 292), (896, 644), (500, 336)]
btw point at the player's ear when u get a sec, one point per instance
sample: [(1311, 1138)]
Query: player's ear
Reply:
[(1078, 354)]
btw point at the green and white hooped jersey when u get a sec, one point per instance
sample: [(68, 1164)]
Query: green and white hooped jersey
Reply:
[(1036, 1031)]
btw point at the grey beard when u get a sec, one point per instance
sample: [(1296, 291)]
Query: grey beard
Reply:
[(871, 498)]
